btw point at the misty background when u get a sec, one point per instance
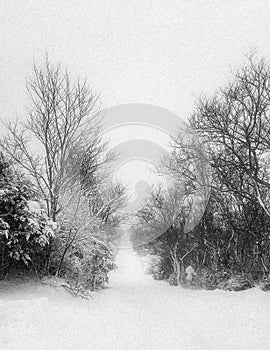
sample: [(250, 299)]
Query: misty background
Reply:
[(158, 52)]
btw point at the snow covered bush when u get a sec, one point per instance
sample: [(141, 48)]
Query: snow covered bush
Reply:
[(210, 279), (221, 279), (236, 283), (25, 233), (79, 251), (30, 240), (86, 264), (265, 284)]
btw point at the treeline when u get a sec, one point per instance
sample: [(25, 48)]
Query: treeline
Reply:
[(55, 205), (230, 246)]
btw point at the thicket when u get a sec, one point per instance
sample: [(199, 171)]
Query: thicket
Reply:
[(55, 205), (230, 247)]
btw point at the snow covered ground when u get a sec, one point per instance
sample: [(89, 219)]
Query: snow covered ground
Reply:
[(135, 312)]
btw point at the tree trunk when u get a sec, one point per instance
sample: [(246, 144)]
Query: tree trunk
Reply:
[(62, 260), (178, 271)]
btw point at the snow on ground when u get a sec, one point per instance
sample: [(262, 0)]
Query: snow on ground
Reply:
[(135, 312)]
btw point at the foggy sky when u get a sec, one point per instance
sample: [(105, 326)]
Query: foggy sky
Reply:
[(159, 52)]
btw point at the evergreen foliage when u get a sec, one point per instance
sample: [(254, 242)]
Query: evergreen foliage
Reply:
[(25, 233)]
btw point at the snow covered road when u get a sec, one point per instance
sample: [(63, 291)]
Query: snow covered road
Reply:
[(137, 313)]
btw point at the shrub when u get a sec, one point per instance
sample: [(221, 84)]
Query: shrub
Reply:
[(236, 283), (265, 284), (86, 265), (208, 279), (25, 232)]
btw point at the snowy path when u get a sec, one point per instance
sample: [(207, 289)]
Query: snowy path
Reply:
[(137, 313)]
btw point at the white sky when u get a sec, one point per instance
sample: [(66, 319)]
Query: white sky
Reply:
[(125, 132), (159, 52)]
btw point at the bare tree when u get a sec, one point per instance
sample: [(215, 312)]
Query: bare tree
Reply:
[(108, 202), (188, 165), (78, 225), (59, 143), (235, 125), (162, 208), (165, 213), (176, 211)]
